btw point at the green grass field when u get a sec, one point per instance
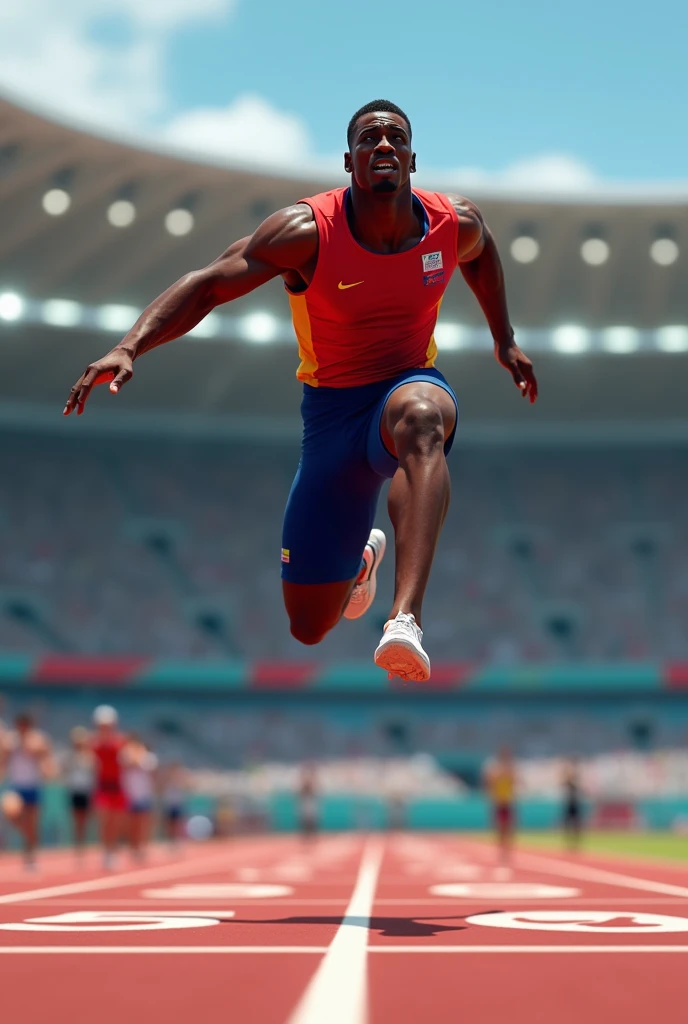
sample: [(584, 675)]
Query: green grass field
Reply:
[(624, 844)]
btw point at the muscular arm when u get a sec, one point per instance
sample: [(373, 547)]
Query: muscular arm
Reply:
[(286, 243), (482, 271)]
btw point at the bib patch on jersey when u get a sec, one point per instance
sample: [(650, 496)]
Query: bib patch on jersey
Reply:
[(432, 261), (433, 268)]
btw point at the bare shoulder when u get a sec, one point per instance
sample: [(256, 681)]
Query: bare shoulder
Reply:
[(472, 227), (287, 238)]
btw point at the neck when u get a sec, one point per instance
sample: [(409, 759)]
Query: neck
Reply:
[(384, 222)]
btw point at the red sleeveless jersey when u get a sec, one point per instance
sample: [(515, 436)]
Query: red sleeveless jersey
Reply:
[(367, 316)]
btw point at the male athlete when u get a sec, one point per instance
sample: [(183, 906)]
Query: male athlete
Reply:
[(501, 784), (365, 269)]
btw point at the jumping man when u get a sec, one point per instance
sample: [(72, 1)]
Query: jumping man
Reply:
[(365, 269)]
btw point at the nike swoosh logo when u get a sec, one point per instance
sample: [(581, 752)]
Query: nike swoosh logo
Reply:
[(343, 287)]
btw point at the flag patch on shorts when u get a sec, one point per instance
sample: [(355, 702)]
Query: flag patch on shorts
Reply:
[(285, 554)]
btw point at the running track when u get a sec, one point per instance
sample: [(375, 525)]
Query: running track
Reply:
[(393, 929)]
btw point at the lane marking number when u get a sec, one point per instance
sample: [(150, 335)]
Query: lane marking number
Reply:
[(112, 921), (505, 891), (613, 922)]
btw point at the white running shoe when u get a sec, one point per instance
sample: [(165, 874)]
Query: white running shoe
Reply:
[(400, 652), (363, 594)]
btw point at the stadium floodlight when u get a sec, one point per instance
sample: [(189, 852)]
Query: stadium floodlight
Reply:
[(621, 340), (449, 336), (116, 318), (121, 213), (179, 222), (595, 251), (673, 338), (525, 249), (208, 327), (664, 251), (56, 202), (61, 312), (259, 328), (11, 306), (570, 339)]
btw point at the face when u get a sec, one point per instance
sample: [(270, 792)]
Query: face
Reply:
[(381, 157)]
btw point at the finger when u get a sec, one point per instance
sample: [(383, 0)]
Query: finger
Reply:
[(71, 401), (85, 390), (532, 382), (120, 380)]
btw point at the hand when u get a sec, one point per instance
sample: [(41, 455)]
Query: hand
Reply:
[(520, 368), (116, 367)]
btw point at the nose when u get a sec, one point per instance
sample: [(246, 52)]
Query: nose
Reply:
[(384, 146)]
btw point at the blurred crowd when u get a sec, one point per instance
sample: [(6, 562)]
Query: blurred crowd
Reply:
[(172, 549)]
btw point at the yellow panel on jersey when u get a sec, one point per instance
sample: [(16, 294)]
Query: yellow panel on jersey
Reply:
[(302, 326)]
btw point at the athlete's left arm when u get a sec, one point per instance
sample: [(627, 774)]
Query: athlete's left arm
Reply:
[(482, 271)]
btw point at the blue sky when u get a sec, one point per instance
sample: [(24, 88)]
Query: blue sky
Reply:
[(550, 92)]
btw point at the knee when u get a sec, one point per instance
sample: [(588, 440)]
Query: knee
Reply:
[(308, 633), (420, 425)]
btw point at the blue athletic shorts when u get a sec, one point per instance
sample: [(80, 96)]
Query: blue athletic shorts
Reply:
[(333, 499), (30, 795)]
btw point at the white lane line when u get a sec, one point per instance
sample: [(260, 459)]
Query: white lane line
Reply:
[(589, 874), (333, 1014), (338, 991), (141, 876)]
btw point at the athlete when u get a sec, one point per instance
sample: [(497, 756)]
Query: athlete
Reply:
[(110, 800), (26, 759), (173, 783), (365, 269), (139, 767), (500, 781), (308, 801), (573, 810), (79, 771)]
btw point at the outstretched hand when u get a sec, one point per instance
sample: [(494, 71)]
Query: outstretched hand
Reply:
[(115, 368), (520, 368)]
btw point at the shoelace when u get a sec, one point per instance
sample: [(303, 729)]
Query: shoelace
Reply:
[(407, 621)]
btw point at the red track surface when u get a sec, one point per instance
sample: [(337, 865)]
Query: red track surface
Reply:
[(357, 934)]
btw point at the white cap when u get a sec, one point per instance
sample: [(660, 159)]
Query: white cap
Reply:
[(104, 714)]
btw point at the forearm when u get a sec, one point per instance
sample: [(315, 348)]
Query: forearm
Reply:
[(485, 277), (179, 309)]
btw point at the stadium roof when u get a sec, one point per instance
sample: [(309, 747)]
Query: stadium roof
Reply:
[(94, 228)]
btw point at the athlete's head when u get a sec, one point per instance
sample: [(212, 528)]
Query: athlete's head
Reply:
[(105, 719), (23, 723), (380, 156)]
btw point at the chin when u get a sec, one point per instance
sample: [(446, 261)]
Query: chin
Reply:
[(385, 186)]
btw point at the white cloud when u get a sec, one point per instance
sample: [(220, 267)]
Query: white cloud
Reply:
[(49, 56), (249, 129), (546, 172)]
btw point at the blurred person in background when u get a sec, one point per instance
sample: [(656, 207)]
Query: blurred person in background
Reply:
[(365, 268), (308, 801), (79, 774), (500, 784), (139, 768), (174, 781), (572, 810), (110, 801), (26, 761)]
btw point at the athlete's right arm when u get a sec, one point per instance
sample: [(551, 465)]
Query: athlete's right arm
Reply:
[(285, 243)]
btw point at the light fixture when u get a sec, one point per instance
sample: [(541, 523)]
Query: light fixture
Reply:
[(179, 222), (673, 338), (664, 251), (525, 249), (56, 202), (620, 340), (259, 327), (61, 312), (11, 306), (121, 213), (208, 327), (595, 251), (449, 336), (116, 318), (570, 339)]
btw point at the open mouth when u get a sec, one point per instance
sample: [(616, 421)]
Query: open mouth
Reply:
[(384, 167)]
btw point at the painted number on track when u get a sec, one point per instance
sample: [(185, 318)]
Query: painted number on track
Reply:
[(590, 921), (108, 921)]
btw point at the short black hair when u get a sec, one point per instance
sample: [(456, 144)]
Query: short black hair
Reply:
[(371, 108)]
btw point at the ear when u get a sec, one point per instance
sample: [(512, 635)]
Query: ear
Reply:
[(413, 163), (347, 163)]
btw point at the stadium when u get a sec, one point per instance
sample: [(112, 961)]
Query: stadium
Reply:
[(140, 569)]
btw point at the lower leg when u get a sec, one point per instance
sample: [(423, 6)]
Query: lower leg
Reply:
[(315, 608), (418, 503)]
